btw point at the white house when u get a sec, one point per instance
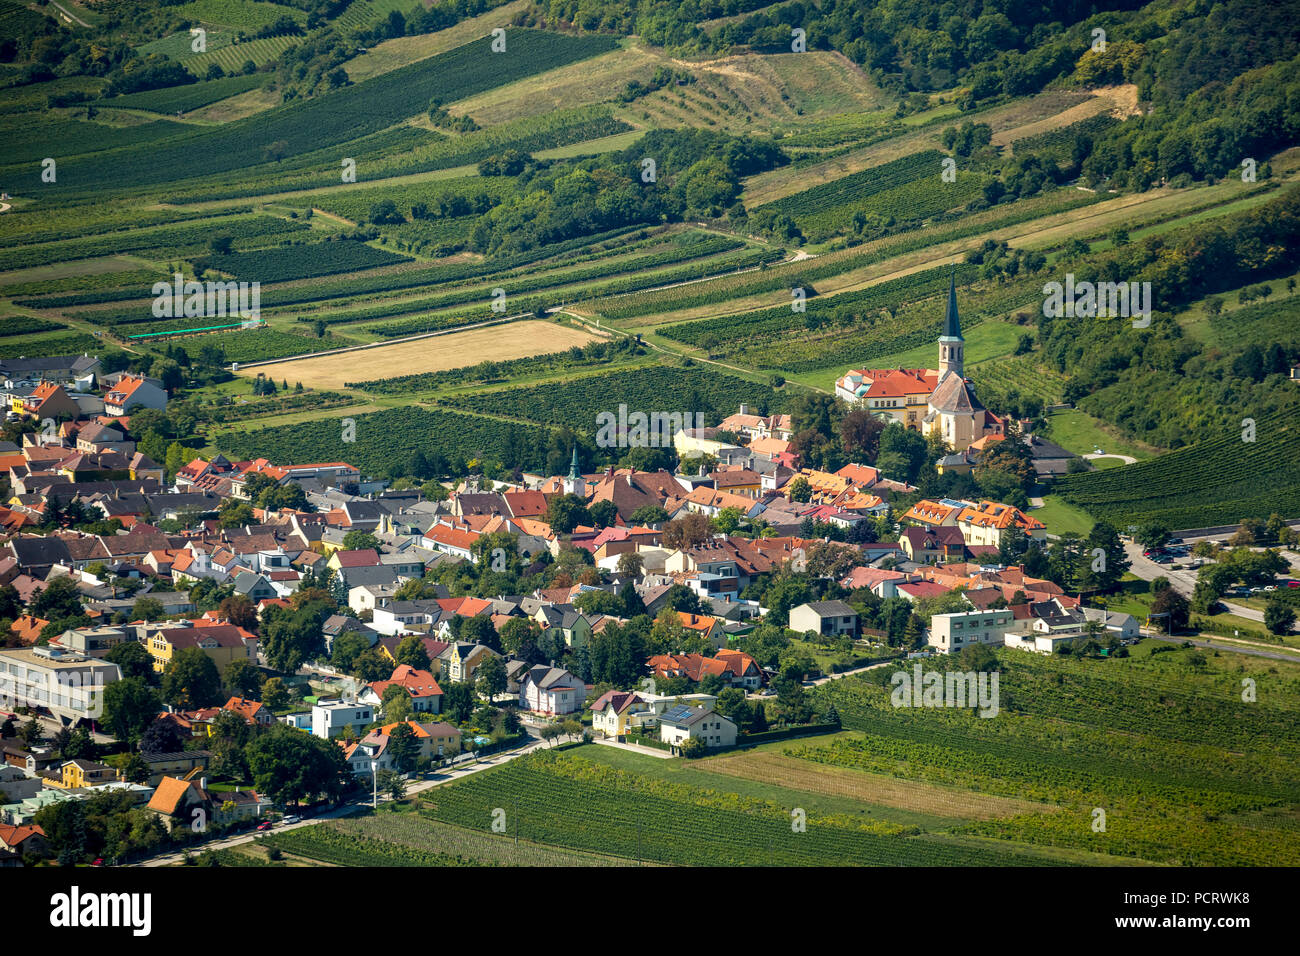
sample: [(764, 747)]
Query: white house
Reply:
[(683, 722), (825, 617), (552, 691), (328, 717), (952, 632)]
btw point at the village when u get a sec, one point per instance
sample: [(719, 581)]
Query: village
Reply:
[(214, 646)]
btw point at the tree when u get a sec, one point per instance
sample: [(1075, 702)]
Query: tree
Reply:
[(292, 637), (162, 736), (631, 563), (1153, 535), (132, 659), (649, 515), (1279, 615), (491, 679), (403, 747), (347, 647), (412, 652), (358, 540), (239, 611), (275, 696), (146, 609), (458, 701), (687, 531), (603, 514), (130, 705), (396, 703), (191, 680), (243, 679), (290, 766), (566, 512), (371, 665), (799, 490), (1173, 604)]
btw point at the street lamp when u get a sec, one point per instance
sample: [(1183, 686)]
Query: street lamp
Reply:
[(374, 776)]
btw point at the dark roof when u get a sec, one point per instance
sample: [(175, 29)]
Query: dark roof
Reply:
[(951, 326)]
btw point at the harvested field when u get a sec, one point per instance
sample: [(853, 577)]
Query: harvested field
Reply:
[(434, 354), (783, 771)]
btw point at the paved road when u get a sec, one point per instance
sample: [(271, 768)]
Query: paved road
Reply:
[(470, 766), (1232, 648), (1127, 459)]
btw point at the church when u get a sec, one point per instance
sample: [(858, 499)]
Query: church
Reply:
[(935, 401)]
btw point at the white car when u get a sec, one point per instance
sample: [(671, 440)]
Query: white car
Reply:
[(292, 818)]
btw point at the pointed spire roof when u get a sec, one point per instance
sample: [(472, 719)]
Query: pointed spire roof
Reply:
[(573, 465), (951, 325)]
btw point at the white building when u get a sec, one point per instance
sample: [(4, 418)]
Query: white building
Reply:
[(683, 722), (328, 717), (69, 686), (952, 632), (552, 691)]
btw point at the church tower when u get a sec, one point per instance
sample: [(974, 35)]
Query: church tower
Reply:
[(951, 344)]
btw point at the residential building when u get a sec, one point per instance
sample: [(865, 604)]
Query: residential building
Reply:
[(552, 691), (683, 722), (950, 633), (833, 618), (331, 717), (69, 686)]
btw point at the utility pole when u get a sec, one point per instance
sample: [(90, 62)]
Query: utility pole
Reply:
[(374, 777)]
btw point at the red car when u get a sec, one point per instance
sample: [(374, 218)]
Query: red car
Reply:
[(99, 861), (265, 826)]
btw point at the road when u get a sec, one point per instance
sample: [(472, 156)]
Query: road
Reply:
[(470, 767), (1232, 648)]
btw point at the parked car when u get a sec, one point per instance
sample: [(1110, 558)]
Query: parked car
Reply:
[(292, 818), (1293, 584), (265, 826)]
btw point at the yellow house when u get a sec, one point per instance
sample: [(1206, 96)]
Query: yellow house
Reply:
[(221, 642), (83, 773), (619, 712)]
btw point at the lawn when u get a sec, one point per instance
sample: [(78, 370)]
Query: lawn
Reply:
[(1080, 433), (1061, 517)]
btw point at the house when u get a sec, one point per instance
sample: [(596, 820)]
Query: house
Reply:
[(132, 391), (17, 842), (984, 524), (552, 691), (330, 717), (460, 660), (928, 545), (372, 752), (76, 774), (825, 617), (181, 802), (952, 632), (736, 668), (49, 400), (254, 712), (683, 722), (174, 764), (1125, 626), (618, 712), (221, 642), (420, 686)]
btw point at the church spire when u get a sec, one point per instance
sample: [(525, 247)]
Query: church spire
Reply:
[(951, 325), (951, 344), (574, 474)]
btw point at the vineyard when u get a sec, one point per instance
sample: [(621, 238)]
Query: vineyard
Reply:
[(190, 97), (1214, 482), (344, 115), (1164, 743), (305, 261), (845, 308), (409, 839), (653, 389), (389, 438), (563, 800)]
